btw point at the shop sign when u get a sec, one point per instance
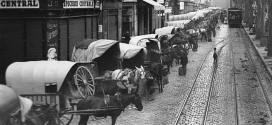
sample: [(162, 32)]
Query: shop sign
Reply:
[(168, 10), (52, 39), (181, 6), (19, 4), (100, 28), (73, 4), (53, 4)]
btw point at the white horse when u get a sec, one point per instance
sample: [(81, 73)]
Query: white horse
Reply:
[(130, 76)]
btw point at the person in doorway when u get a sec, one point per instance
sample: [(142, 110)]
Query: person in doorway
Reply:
[(214, 56), (127, 37)]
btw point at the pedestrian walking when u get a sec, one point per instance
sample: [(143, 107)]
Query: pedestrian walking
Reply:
[(184, 62), (214, 56)]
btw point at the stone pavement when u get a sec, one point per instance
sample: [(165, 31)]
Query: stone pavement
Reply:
[(262, 53)]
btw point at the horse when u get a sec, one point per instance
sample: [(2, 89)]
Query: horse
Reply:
[(156, 71), (126, 74), (118, 101), (175, 54), (145, 81), (167, 60)]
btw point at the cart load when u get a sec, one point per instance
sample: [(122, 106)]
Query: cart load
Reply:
[(104, 52), (12, 106), (193, 32), (180, 23), (132, 55)]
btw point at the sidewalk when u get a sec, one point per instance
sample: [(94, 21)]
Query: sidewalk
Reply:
[(261, 52)]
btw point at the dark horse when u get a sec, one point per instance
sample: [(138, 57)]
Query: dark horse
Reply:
[(156, 70), (167, 60), (118, 101)]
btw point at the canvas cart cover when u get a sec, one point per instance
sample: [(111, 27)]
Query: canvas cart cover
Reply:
[(187, 16), (128, 51), (180, 23), (89, 49), (143, 39), (165, 30), (31, 77), (151, 43)]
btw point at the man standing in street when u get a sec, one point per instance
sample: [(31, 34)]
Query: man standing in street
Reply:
[(184, 61), (209, 33)]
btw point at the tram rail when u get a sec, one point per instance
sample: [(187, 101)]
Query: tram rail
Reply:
[(185, 102)]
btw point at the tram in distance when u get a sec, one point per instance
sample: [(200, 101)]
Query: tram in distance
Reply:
[(234, 17)]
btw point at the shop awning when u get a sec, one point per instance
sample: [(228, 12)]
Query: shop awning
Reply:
[(156, 5)]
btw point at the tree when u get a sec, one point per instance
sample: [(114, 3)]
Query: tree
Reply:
[(262, 35), (259, 20), (249, 12), (269, 43)]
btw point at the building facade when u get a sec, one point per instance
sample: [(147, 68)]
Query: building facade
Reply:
[(36, 30)]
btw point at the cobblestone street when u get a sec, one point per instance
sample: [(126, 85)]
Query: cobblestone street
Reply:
[(164, 109), (234, 95)]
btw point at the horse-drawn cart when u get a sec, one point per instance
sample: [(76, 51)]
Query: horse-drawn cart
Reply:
[(153, 61), (64, 83)]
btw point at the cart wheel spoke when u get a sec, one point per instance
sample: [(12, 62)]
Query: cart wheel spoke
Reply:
[(90, 90), (79, 77)]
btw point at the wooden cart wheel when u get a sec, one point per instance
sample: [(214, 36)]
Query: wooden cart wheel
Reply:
[(65, 119), (84, 81)]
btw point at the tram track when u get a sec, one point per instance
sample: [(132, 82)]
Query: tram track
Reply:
[(188, 95), (242, 38), (236, 115)]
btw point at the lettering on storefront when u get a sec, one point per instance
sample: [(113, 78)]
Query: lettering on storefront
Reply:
[(16, 4), (52, 31), (81, 4), (53, 3), (52, 39)]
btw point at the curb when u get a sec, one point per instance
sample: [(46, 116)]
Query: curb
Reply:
[(260, 55)]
